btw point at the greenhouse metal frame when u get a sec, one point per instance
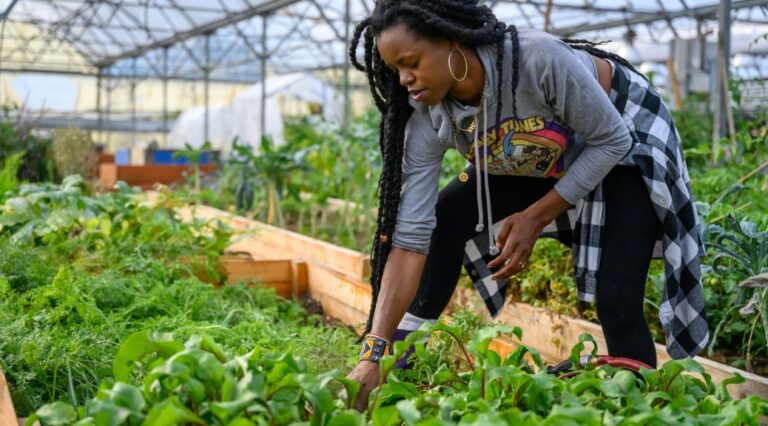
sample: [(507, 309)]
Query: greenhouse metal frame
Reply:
[(238, 40)]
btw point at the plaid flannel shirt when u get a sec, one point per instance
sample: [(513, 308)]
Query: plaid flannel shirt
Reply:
[(657, 152)]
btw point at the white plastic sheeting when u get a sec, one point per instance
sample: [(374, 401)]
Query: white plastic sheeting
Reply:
[(242, 120), (190, 127)]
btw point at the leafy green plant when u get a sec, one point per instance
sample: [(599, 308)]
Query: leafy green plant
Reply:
[(9, 175), (79, 273), (16, 136), (740, 251), (72, 152), (272, 167), (200, 383), (194, 156)]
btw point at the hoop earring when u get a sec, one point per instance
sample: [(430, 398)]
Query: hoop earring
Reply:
[(466, 65)]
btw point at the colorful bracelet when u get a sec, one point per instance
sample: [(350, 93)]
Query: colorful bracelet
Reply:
[(375, 347)]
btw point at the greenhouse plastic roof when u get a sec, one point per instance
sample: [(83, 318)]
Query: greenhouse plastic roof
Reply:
[(129, 37)]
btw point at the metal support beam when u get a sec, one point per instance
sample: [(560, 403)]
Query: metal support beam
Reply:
[(6, 69), (347, 65), (165, 96), (99, 87), (109, 106), (133, 104), (8, 10), (264, 8), (693, 13), (2, 42), (264, 57), (721, 70), (206, 87)]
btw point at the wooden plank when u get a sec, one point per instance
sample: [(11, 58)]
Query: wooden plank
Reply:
[(147, 176), (341, 297), (282, 289), (264, 271), (7, 412), (108, 175), (284, 243), (554, 335), (299, 278), (326, 281), (341, 311)]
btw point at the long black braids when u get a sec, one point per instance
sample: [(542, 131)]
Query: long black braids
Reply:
[(591, 48), (465, 21)]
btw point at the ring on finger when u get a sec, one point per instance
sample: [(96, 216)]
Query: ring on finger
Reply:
[(521, 264)]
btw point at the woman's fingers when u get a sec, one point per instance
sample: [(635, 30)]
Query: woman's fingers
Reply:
[(506, 252), (506, 227), (514, 266), (514, 262), (503, 242)]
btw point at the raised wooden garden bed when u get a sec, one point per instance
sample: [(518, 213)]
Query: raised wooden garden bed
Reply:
[(286, 276), (148, 176), (336, 278), (7, 412)]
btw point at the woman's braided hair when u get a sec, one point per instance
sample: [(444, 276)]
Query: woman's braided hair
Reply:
[(465, 21)]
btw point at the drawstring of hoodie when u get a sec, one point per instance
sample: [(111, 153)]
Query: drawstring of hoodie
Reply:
[(492, 249), (480, 180), (478, 184)]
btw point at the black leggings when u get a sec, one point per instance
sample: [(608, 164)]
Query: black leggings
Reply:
[(629, 235)]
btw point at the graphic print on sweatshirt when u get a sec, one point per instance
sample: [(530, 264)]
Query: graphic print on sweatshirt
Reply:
[(531, 146)]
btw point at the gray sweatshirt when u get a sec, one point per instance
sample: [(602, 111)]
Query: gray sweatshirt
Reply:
[(567, 128)]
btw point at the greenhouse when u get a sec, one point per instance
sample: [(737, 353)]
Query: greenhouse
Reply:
[(384, 212)]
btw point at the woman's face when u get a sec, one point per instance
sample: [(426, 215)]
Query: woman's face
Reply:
[(421, 64)]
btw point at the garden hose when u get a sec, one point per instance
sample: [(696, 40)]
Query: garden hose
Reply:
[(563, 368)]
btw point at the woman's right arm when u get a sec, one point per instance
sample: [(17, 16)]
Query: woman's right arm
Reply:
[(415, 222)]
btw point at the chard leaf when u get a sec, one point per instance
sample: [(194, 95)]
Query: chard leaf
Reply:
[(170, 413), (137, 345), (55, 414)]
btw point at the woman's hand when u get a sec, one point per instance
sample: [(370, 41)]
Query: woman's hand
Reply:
[(520, 231), (367, 374), (516, 240)]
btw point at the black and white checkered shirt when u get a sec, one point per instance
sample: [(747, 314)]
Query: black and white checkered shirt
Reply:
[(657, 152)]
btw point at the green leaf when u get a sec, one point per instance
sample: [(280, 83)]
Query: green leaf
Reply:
[(478, 344), (442, 375), (107, 413), (350, 418), (394, 390), (385, 416), (171, 412), (573, 415), (124, 395), (620, 385), (579, 347), (408, 411), (137, 346), (226, 410), (55, 414), (709, 405)]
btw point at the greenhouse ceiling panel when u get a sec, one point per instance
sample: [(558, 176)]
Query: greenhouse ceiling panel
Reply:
[(228, 39)]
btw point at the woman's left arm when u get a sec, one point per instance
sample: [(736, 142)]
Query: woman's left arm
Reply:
[(577, 98)]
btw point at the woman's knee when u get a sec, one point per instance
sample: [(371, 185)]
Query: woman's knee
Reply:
[(618, 314)]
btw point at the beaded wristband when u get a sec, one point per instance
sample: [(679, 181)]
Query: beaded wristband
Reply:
[(375, 347)]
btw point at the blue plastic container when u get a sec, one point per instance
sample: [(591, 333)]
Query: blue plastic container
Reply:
[(165, 157), (123, 157)]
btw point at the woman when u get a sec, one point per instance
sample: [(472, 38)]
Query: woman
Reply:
[(560, 136)]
